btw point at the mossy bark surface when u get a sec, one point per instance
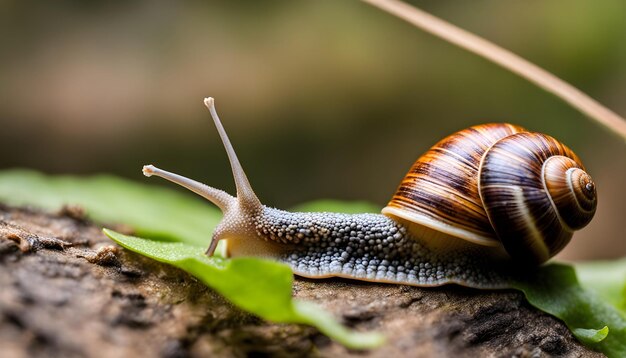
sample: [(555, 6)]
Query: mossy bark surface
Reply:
[(68, 291)]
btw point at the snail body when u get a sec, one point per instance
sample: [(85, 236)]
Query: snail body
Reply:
[(478, 204)]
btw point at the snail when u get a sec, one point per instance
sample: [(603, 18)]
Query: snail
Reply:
[(477, 206)]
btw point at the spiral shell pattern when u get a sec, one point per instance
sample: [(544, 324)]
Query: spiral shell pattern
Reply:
[(536, 193), (498, 185), (440, 191), (572, 191)]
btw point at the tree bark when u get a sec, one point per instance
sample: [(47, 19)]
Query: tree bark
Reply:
[(68, 291)]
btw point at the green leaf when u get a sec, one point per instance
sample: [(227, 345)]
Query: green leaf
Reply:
[(606, 278), (152, 211), (554, 289), (258, 286), (591, 335)]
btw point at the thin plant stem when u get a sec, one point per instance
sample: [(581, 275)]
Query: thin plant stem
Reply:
[(506, 59)]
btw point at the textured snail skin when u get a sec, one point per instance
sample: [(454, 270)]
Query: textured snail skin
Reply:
[(471, 196), (371, 247)]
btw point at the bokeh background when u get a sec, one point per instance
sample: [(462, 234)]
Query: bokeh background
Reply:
[(322, 99)]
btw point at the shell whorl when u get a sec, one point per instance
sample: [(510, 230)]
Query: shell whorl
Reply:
[(498, 185), (440, 191), (536, 193), (572, 190)]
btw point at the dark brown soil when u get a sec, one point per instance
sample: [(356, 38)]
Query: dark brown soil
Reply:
[(66, 290)]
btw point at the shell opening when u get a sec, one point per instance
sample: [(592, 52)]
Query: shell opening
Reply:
[(451, 236)]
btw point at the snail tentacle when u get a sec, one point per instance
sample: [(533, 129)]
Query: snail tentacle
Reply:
[(237, 210), (220, 198), (245, 194)]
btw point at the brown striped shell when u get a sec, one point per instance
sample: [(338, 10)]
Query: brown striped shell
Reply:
[(497, 185)]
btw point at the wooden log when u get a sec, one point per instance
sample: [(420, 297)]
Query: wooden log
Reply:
[(66, 290)]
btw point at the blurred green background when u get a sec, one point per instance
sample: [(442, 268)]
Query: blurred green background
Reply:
[(322, 99)]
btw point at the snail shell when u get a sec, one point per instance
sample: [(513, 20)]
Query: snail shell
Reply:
[(473, 195), (497, 184)]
